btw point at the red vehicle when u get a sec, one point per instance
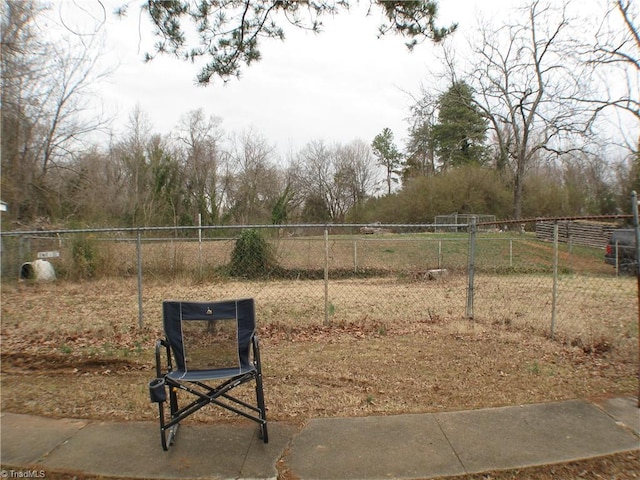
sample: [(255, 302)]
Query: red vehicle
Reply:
[(621, 251)]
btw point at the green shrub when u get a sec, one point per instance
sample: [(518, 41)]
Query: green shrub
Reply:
[(252, 256), (85, 257)]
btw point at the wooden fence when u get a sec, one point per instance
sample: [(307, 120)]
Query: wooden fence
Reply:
[(577, 232)]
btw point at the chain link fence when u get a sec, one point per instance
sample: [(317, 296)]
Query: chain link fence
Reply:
[(558, 286), (453, 221), (338, 274)]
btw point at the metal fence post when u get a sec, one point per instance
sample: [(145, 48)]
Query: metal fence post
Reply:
[(554, 294), (355, 256), (139, 259), (636, 224), (326, 276), (21, 254), (199, 246), (471, 267), (571, 254), (510, 253)]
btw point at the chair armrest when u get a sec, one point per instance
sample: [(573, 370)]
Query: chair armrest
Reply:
[(161, 345), (256, 353)]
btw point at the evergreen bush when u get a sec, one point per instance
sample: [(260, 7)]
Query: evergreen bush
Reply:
[(252, 256)]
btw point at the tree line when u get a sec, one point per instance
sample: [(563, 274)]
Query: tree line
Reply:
[(519, 128)]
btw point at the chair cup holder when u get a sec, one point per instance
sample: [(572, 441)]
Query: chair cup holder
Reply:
[(157, 391)]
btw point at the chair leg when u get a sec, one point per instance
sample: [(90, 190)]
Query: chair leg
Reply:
[(163, 437), (173, 401), (171, 436), (173, 405), (261, 406), (264, 434), (259, 390), (158, 394), (168, 434)]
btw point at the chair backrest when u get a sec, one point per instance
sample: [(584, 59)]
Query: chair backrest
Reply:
[(210, 335)]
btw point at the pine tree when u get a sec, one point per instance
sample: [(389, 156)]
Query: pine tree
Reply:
[(461, 130)]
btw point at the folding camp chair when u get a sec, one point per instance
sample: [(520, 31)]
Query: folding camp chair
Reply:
[(210, 349)]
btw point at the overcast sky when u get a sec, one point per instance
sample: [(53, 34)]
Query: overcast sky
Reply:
[(338, 86)]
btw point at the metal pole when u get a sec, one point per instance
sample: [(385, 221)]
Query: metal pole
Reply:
[(21, 241), (554, 296), (200, 246), (471, 267), (139, 256), (571, 253), (326, 276), (510, 253), (634, 208), (355, 256)]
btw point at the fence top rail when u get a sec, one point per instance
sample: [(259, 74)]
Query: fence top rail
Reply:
[(558, 219), (19, 233)]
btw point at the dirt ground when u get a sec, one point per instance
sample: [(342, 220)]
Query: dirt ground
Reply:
[(66, 344)]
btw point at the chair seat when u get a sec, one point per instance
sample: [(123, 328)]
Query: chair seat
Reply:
[(203, 375)]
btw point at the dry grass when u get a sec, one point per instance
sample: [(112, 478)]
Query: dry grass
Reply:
[(75, 350), (66, 344)]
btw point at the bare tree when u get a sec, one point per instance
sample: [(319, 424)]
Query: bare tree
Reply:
[(91, 190), (46, 86), (357, 174), (586, 186), (528, 90), (165, 204), (313, 176), (333, 180), (148, 176), (420, 157), (19, 164), (131, 154), (613, 55), (257, 183), (616, 51), (204, 165)]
